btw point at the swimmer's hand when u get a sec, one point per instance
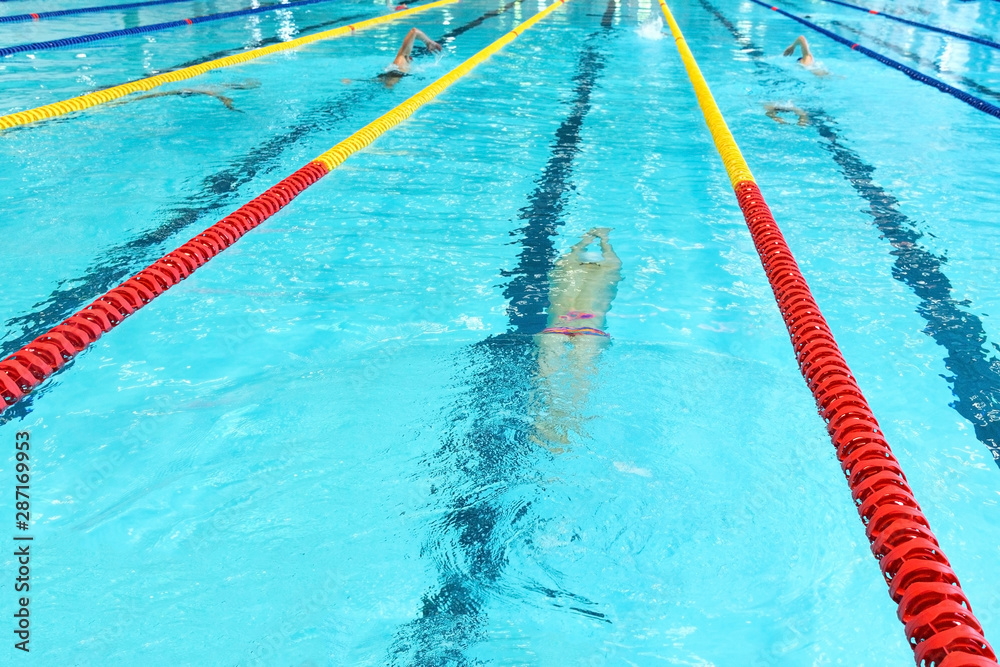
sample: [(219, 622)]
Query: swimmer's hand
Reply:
[(791, 49), (600, 232), (431, 45)]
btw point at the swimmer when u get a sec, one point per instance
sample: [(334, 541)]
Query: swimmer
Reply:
[(773, 112), (190, 92), (227, 102), (807, 59), (582, 285), (400, 66)]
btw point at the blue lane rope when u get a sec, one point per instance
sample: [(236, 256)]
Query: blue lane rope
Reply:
[(21, 18), (84, 39), (926, 26), (971, 100)]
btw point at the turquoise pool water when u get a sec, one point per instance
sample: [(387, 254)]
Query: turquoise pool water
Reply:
[(317, 450)]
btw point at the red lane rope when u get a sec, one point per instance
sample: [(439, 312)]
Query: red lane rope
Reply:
[(937, 616), (32, 364), (28, 367)]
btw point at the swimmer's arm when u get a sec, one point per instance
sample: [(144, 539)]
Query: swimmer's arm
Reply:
[(799, 41), (611, 260), (149, 96), (580, 246), (806, 53), (431, 45), (772, 113), (407, 47), (227, 102)]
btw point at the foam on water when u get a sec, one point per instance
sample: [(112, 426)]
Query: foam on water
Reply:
[(651, 29)]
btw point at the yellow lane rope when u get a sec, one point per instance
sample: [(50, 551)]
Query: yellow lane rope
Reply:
[(920, 579), (103, 96), (736, 166), (336, 155), (32, 364)]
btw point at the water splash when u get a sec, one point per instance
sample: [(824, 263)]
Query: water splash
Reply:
[(651, 29)]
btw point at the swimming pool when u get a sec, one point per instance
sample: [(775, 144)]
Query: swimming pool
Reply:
[(317, 450)]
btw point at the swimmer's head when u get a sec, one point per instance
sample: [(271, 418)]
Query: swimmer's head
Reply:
[(391, 76), (590, 257)]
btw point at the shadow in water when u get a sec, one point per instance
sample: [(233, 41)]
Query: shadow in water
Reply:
[(486, 463)]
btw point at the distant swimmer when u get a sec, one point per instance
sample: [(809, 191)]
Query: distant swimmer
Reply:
[(774, 111), (400, 66), (227, 102), (190, 92), (582, 285), (807, 59)]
